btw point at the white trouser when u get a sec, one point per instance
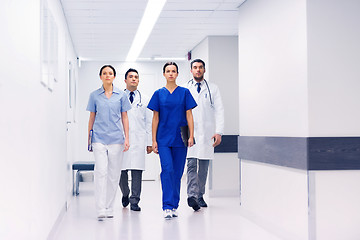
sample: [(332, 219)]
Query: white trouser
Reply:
[(107, 170)]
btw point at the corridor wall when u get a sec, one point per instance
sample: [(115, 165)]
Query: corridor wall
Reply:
[(35, 179), (299, 123), (220, 54)]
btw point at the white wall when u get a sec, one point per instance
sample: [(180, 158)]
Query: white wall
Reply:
[(335, 204), (334, 73), (32, 125), (299, 78), (220, 54), (224, 72), (273, 68), (275, 198), (273, 93), (224, 175), (334, 103)]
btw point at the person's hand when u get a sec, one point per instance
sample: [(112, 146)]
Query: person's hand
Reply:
[(149, 149), (191, 142), (217, 139), (155, 147), (126, 145)]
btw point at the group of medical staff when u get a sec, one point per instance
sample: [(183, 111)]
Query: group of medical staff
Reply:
[(123, 129)]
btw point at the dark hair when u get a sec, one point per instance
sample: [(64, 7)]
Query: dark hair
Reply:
[(198, 60), (105, 66), (130, 70), (169, 64)]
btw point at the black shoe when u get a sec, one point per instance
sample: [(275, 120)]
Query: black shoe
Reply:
[(125, 201), (193, 203), (135, 207), (201, 202)]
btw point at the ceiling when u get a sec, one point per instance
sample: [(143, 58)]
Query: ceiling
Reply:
[(105, 29)]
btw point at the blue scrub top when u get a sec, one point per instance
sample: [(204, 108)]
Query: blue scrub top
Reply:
[(108, 128), (172, 109)]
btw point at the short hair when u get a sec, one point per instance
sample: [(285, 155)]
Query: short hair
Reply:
[(169, 64), (105, 66), (197, 60), (130, 70)]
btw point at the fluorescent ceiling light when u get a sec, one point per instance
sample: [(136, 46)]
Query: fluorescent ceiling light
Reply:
[(163, 59), (151, 14)]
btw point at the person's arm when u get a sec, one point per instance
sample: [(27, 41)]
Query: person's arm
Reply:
[(219, 116), (91, 124), (125, 122), (155, 124), (148, 126), (190, 122)]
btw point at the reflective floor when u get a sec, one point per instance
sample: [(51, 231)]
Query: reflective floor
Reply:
[(221, 220)]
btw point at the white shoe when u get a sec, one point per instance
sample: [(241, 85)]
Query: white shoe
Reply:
[(109, 213), (101, 217), (174, 213), (167, 214)]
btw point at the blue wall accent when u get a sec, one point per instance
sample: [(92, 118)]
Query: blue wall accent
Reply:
[(306, 153), (334, 153), (229, 144)]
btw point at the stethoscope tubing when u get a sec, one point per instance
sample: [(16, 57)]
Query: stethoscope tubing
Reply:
[(207, 85)]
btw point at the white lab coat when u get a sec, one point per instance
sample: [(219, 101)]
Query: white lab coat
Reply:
[(208, 119), (140, 118)]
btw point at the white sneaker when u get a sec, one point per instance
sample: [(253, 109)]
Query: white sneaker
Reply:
[(109, 213), (167, 214), (174, 213)]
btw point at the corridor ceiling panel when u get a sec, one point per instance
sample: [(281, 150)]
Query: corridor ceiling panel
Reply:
[(105, 29)]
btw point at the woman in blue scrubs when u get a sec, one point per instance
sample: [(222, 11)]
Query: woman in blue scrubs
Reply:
[(172, 108)]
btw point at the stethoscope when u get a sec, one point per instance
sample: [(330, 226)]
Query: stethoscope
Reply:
[(207, 85), (139, 104)]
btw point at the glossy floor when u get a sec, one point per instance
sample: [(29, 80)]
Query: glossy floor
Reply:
[(221, 220)]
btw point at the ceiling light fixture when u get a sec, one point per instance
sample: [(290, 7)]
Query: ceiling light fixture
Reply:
[(162, 59), (151, 14)]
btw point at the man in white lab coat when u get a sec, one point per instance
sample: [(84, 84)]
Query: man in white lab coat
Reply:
[(140, 141), (208, 129)]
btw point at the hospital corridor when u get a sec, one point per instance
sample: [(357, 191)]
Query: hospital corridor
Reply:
[(252, 107)]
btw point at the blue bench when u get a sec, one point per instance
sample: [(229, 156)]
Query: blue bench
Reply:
[(78, 167)]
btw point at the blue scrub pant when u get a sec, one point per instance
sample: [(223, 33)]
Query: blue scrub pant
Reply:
[(172, 161)]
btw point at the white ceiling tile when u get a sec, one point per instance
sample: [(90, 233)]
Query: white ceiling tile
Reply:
[(104, 29)]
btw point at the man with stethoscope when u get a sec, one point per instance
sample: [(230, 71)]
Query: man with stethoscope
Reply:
[(208, 129), (140, 119)]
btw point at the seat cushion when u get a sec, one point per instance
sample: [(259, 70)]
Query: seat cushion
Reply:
[(83, 166)]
